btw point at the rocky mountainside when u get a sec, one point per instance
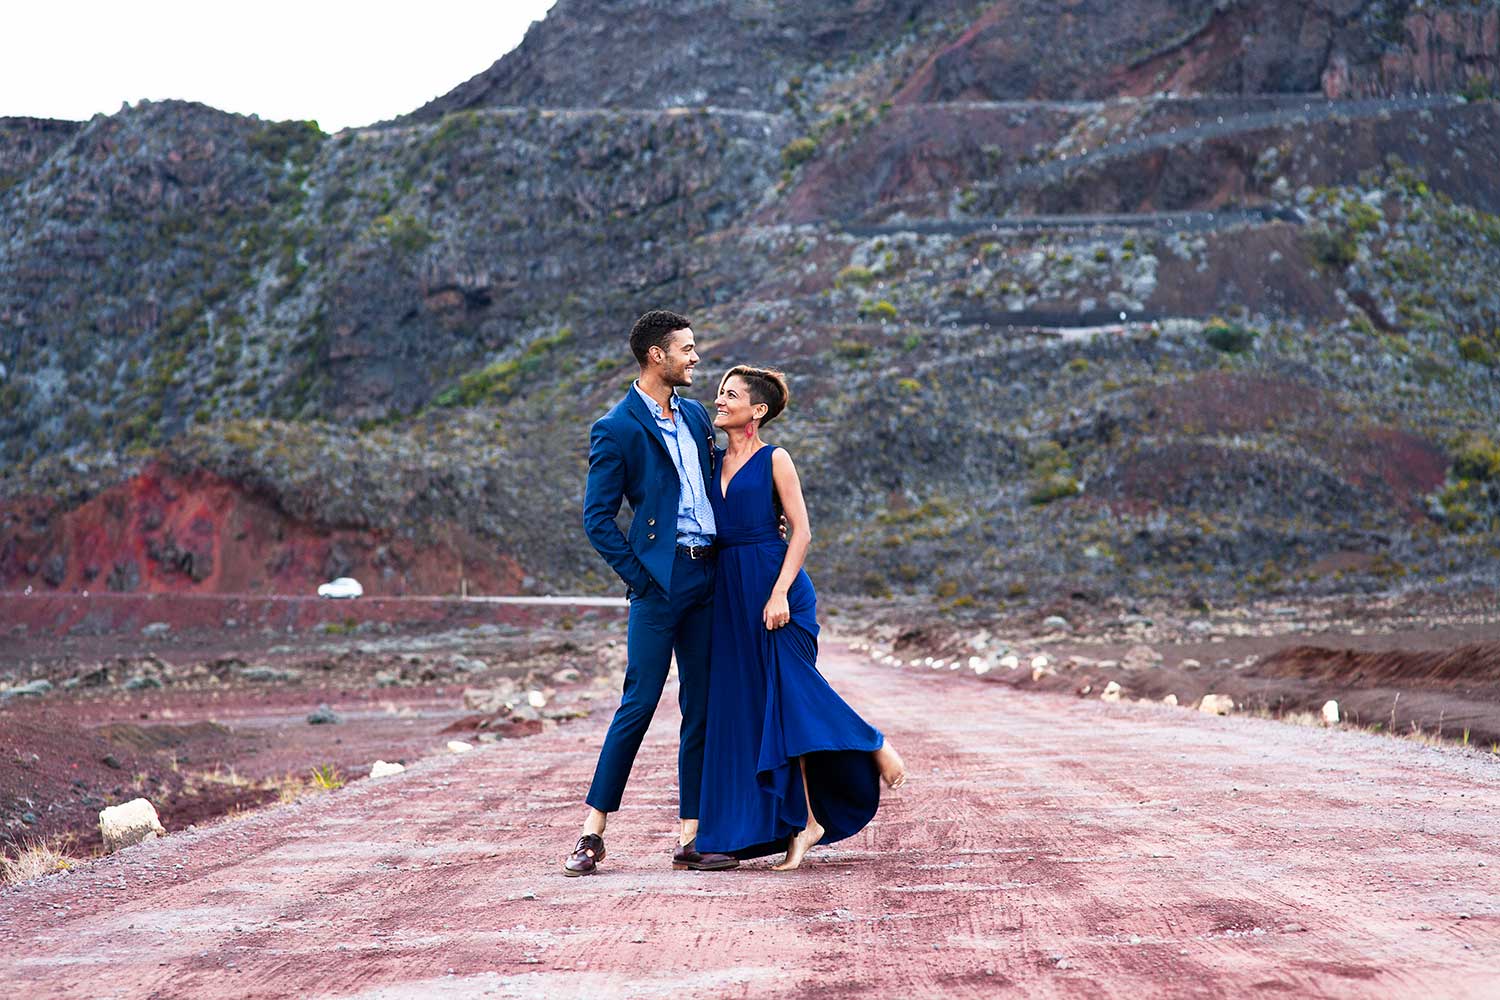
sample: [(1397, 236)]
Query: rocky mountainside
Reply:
[(1146, 297)]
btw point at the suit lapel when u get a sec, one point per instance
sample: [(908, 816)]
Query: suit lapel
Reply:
[(637, 407)]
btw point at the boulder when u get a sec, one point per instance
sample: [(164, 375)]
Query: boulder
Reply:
[(322, 716), (382, 768), (1330, 712), (1216, 704), (31, 689), (129, 823), (1111, 692), (1170, 699)]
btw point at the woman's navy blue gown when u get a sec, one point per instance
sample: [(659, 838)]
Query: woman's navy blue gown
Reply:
[(767, 703)]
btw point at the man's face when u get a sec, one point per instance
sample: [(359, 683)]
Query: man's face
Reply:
[(681, 358)]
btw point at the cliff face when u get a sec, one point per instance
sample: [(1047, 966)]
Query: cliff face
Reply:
[(1106, 293)]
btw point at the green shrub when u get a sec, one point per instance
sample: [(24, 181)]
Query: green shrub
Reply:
[(854, 274), (798, 151), (851, 349), (1230, 338), (401, 232), (1475, 350), (1477, 458), (1055, 487), (882, 310), (282, 141), (1331, 249)]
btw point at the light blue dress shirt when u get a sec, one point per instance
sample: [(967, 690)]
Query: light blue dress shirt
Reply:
[(695, 516)]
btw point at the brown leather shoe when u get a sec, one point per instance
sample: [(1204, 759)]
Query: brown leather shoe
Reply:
[(586, 856), (688, 858)]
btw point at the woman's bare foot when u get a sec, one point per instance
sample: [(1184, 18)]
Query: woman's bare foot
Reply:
[(892, 767), (798, 846)]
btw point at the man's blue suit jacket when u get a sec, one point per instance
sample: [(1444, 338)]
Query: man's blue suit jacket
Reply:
[(628, 460)]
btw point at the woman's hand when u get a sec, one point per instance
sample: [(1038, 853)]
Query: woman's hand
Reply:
[(777, 612)]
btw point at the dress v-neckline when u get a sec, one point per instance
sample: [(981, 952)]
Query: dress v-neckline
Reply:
[(723, 486)]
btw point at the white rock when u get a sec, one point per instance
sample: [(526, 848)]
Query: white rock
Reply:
[(927, 661), (1330, 712), (983, 668), (938, 664), (914, 662), (381, 768), (1170, 699), (1010, 661), (1055, 622), (129, 823), (536, 699), (1111, 692), (459, 746), (1038, 672), (1216, 704), (1190, 664), (1040, 660), (975, 662)]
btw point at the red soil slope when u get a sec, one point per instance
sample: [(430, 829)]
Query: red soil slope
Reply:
[(197, 533)]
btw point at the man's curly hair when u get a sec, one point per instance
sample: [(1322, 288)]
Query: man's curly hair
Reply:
[(654, 329)]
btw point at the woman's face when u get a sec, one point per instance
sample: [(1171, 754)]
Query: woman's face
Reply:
[(733, 406)]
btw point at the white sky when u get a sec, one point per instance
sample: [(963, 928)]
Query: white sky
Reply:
[(338, 62)]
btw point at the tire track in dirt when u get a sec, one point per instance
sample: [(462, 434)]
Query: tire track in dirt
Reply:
[(1044, 846)]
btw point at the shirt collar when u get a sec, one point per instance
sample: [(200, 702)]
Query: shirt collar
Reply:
[(652, 404)]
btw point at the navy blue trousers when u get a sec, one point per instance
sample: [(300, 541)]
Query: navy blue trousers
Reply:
[(659, 625)]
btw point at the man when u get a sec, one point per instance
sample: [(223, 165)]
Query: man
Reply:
[(654, 449)]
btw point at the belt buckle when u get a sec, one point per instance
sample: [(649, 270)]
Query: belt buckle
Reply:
[(693, 551)]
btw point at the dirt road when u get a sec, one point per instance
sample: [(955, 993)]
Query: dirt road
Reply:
[(1044, 846)]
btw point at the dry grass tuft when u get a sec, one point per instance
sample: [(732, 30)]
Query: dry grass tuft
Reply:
[(34, 860)]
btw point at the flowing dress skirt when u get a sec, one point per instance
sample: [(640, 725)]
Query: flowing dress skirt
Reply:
[(768, 705)]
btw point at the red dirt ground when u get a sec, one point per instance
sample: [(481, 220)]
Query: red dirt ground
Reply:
[(1044, 846)]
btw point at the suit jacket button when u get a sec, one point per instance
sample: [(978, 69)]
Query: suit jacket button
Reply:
[(651, 537), (651, 521)]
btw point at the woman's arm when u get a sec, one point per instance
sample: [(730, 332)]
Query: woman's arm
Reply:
[(799, 538)]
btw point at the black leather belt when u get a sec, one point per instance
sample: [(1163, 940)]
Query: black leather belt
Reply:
[(696, 551)]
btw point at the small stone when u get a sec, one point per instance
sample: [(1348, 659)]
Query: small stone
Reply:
[(1010, 661), (459, 746), (536, 699), (382, 768), (1199, 625), (1189, 664), (1112, 692), (1330, 712), (1056, 623), (322, 716), (1292, 929), (1170, 699), (1140, 657)]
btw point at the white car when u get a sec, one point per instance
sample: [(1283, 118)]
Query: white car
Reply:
[(343, 588)]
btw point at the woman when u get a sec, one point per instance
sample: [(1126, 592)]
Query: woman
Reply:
[(787, 764)]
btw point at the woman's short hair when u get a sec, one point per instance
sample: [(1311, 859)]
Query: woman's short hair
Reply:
[(766, 385)]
